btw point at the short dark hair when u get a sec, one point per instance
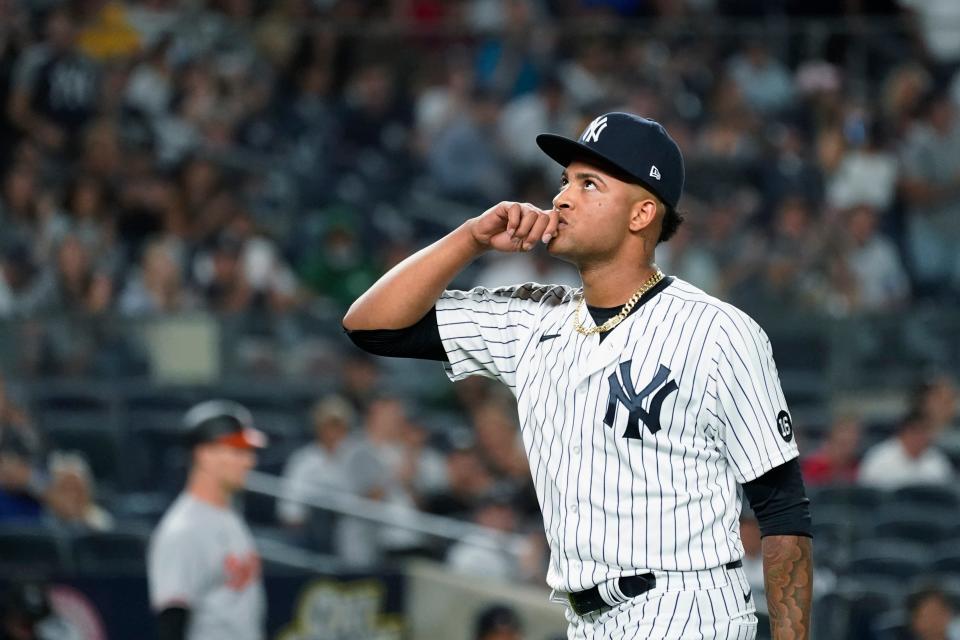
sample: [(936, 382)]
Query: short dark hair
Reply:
[(672, 219), (925, 593)]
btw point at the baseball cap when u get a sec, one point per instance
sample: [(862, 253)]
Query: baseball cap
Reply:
[(224, 422), (635, 146), (333, 407)]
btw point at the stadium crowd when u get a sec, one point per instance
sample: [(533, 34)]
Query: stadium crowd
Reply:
[(266, 161)]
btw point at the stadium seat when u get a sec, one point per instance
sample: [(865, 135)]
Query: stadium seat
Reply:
[(259, 508), (158, 409), (896, 561), (112, 552), (155, 459), (926, 527), (947, 561), (100, 448), (927, 495), (867, 596), (30, 551), (849, 494)]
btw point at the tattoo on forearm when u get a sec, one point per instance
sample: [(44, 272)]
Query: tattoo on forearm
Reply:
[(788, 574)]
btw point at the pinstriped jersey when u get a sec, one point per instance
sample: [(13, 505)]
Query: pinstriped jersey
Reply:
[(638, 443)]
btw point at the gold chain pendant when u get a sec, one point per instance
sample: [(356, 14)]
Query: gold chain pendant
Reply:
[(624, 312)]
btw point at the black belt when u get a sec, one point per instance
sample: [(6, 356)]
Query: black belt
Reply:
[(584, 602)]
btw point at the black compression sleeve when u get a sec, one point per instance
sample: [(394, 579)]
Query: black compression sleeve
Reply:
[(421, 340), (779, 501), (172, 623)]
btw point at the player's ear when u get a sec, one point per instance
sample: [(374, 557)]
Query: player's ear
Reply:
[(644, 212)]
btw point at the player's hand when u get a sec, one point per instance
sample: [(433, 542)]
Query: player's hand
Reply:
[(514, 226)]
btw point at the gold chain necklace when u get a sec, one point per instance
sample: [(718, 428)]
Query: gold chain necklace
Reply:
[(624, 312)]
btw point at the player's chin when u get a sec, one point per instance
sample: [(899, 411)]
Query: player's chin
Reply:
[(560, 247)]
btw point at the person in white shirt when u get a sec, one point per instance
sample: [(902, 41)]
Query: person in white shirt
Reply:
[(906, 458), (317, 467)]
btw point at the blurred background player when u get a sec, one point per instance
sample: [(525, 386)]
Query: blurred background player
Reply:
[(202, 566)]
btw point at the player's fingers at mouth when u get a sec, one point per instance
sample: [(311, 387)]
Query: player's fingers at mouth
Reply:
[(553, 223), (529, 219), (538, 230), (514, 215)]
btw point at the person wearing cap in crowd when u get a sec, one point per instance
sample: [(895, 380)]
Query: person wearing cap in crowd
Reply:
[(203, 569), (646, 406), (320, 466)]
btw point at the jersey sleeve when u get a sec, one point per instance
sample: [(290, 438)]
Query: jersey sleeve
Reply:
[(755, 426), (175, 570), (482, 329)]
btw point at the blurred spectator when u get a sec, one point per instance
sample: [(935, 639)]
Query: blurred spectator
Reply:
[(790, 169), (107, 33), (793, 252), (375, 118), (29, 214), (92, 219), (22, 483), (506, 63), (836, 460), (868, 171), (763, 80), (72, 284), (498, 622), (935, 398), (931, 188), (55, 86), (877, 279), (69, 497), (486, 553), (467, 481), (937, 20), (908, 457), (903, 91), (690, 259), (360, 378), (546, 109), (225, 286), (588, 74), (13, 416), (339, 269), (932, 616), (375, 467), (150, 87), (439, 103), (320, 467), (467, 161), (391, 475), (158, 286), (16, 278)]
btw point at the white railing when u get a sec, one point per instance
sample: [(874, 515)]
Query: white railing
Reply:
[(387, 514)]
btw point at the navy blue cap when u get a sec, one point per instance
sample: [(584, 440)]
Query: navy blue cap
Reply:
[(639, 148)]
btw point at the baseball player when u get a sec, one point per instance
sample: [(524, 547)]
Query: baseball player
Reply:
[(647, 407), (202, 567)]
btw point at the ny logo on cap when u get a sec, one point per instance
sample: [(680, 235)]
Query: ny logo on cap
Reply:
[(654, 172), (592, 134)]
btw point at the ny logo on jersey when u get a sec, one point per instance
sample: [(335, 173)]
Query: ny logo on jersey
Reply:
[(592, 134), (624, 393)]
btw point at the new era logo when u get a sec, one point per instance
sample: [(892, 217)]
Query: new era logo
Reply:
[(654, 172), (592, 134)]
